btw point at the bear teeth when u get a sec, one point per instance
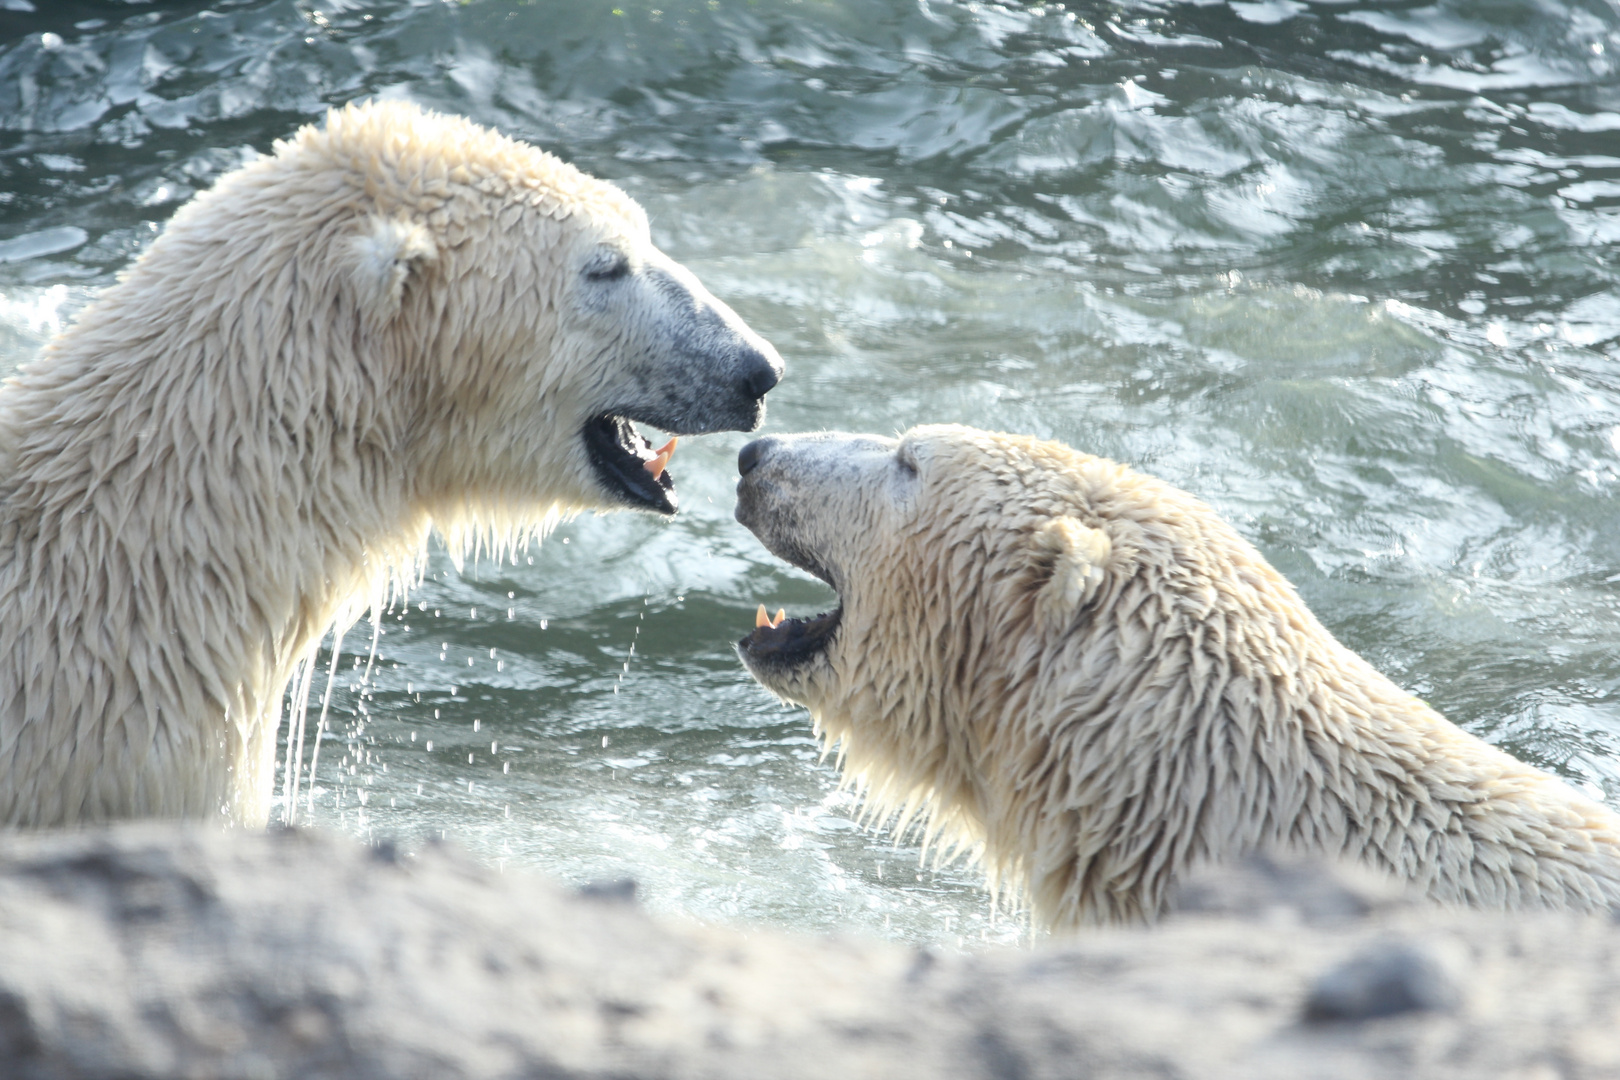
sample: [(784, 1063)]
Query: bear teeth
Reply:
[(627, 465), (781, 641), (660, 458)]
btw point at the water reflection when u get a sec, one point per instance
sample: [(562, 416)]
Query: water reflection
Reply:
[(1345, 270)]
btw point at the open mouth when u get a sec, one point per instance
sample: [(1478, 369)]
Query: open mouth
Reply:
[(628, 466), (785, 642), (782, 642)]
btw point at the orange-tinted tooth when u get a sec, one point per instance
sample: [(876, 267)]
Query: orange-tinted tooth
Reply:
[(781, 613), (760, 618), (660, 458)]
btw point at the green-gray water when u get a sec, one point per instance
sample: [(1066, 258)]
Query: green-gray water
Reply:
[(1345, 270)]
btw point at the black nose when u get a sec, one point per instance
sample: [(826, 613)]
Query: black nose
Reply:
[(750, 455), (760, 378)]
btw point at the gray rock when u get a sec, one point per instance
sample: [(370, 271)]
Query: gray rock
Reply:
[(150, 952), (618, 890), (1268, 887), (1388, 978)]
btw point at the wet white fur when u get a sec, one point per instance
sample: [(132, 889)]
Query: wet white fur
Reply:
[(1087, 676), (246, 441)]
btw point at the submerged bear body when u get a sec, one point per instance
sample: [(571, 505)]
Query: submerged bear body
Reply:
[(1088, 676)]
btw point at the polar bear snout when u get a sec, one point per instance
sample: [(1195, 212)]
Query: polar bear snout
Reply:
[(779, 501), (751, 455), (658, 349), (757, 369), (770, 490), (801, 495), (766, 505), (705, 369), (788, 498)]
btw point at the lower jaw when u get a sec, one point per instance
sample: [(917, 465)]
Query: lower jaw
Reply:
[(611, 446), (792, 679), (789, 685)]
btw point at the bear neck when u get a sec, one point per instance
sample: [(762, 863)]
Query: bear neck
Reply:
[(214, 484), (1209, 738)]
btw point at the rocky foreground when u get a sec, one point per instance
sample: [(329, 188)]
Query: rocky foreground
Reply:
[(165, 952)]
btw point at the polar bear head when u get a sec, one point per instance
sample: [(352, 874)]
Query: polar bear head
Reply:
[(1018, 647), (500, 318), (935, 542)]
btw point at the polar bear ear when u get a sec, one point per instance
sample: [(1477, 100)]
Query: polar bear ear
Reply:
[(385, 255), (1072, 558)]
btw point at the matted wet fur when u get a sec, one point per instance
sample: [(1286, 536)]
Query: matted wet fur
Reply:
[(398, 322)]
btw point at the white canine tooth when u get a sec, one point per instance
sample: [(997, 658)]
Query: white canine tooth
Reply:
[(760, 618), (781, 613)]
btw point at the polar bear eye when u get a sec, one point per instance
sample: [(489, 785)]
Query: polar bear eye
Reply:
[(608, 266)]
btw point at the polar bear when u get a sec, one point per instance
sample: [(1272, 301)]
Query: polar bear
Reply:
[(398, 322), (1089, 677)]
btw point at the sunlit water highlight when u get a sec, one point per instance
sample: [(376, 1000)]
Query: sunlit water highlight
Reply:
[(1344, 270)]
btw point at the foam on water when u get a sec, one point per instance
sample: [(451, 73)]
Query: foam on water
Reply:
[(1344, 271)]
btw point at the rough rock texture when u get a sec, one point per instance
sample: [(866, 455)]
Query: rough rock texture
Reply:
[(152, 951)]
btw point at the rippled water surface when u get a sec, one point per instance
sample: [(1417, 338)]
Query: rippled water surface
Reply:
[(1345, 270)]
